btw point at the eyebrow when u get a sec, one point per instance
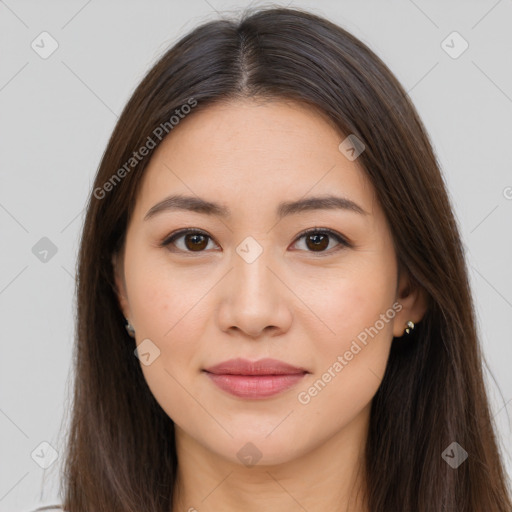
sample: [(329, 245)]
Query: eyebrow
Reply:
[(199, 205)]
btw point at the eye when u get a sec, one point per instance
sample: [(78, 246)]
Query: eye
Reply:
[(195, 240), (317, 239)]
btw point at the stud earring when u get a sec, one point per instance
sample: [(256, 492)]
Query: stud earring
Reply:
[(410, 327), (129, 329)]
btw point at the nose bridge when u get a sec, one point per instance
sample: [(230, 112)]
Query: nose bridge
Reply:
[(253, 297), (252, 278)]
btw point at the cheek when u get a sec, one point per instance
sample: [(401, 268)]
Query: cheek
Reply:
[(353, 306), (349, 365), (169, 308), (352, 358), (164, 302), (168, 311)]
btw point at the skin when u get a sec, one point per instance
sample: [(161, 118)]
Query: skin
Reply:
[(293, 303)]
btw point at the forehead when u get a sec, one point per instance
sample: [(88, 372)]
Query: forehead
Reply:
[(252, 153)]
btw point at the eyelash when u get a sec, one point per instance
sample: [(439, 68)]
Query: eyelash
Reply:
[(324, 231)]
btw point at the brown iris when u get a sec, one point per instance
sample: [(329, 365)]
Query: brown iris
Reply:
[(319, 241), (199, 242)]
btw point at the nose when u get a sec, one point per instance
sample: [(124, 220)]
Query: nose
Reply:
[(254, 298)]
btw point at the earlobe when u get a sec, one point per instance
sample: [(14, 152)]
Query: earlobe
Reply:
[(414, 301)]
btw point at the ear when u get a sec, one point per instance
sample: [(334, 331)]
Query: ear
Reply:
[(414, 301), (120, 283)]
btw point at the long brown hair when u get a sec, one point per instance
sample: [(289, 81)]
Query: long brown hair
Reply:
[(120, 449)]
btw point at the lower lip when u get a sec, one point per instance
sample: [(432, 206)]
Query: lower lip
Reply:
[(255, 386)]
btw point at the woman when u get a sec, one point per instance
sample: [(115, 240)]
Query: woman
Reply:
[(270, 221)]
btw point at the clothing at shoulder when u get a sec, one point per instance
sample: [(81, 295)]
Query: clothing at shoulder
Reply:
[(50, 508)]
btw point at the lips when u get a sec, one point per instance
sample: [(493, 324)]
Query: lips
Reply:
[(261, 367), (255, 379)]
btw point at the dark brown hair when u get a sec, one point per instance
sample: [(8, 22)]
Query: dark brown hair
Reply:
[(120, 450)]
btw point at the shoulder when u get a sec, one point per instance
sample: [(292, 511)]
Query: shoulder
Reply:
[(49, 508)]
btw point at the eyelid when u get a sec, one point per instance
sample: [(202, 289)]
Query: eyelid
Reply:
[(168, 240)]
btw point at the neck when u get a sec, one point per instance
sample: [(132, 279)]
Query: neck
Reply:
[(330, 477)]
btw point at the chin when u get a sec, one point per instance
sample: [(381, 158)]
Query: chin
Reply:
[(251, 448)]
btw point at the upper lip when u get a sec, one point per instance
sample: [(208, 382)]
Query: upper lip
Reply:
[(265, 366)]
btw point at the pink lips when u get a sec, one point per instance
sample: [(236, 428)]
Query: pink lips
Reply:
[(255, 379)]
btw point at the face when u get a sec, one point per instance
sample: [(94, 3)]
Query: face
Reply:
[(247, 282)]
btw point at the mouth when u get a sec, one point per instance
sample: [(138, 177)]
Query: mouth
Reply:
[(255, 379)]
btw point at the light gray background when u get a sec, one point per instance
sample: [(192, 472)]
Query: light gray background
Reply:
[(56, 117)]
